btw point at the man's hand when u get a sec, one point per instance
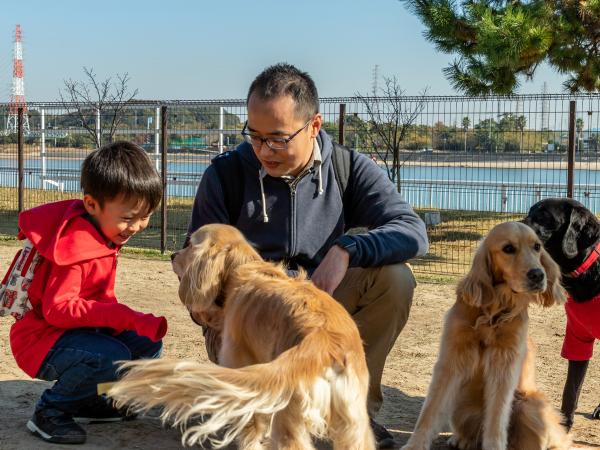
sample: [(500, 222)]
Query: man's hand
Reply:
[(330, 273)]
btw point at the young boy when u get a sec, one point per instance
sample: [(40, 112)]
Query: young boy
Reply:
[(76, 329)]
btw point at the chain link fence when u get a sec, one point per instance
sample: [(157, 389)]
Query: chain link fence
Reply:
[(464, 163)]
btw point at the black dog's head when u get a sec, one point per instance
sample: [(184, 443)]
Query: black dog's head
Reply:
[(567, 229), (569, 232)]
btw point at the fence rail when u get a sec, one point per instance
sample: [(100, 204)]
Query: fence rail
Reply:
[(471, 161)]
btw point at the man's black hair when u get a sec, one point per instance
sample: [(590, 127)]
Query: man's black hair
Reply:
[(285, 79), (121, 169)]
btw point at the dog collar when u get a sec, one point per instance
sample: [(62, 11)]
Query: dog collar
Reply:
[(591, 259)]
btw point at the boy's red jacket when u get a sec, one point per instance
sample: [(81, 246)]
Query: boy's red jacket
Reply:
[(73, 286)]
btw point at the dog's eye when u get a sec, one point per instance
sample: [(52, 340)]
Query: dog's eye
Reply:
[(537, 246), (509, 248)]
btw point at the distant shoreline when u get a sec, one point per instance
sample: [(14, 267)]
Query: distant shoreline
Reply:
[(466, 160)]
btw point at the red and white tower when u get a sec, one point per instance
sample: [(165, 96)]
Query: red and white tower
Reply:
[(17, 99)]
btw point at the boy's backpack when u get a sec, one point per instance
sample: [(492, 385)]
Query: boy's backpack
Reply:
[(14, 299), (228, 166)]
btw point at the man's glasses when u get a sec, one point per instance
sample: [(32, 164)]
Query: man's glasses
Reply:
[(273, 143)]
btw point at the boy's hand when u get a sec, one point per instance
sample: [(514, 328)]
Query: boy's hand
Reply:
[(150, 326)]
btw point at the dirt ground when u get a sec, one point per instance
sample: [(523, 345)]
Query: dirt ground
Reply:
[(149, 285)]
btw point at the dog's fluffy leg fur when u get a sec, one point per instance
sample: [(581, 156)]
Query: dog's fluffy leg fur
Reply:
[(502, 371), (443, 389), (536, 425)]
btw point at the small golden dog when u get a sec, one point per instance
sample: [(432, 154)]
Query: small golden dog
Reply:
[(294, 361), (484, 378)]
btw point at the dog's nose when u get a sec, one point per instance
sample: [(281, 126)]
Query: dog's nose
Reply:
[(535, 275)]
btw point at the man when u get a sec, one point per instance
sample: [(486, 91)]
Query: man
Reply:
[(292, 209)]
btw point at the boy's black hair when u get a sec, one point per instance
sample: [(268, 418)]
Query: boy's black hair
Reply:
[(121, 169), (285, 79)]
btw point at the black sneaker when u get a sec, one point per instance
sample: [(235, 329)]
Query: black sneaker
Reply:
[(102, 412), (56, 427), (383, 437)]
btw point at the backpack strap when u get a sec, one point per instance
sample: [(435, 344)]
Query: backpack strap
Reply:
[(341, 158), (228, 166)]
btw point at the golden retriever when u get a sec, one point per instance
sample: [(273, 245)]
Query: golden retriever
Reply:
[(294, 361), (483, 381)]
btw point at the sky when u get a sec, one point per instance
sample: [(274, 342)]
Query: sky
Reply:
[(213, 49)]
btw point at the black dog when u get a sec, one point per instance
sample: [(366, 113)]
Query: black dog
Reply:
[(571, 234)]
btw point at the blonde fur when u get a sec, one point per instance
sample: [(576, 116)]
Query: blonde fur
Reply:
[(294, 361), (483, 382)]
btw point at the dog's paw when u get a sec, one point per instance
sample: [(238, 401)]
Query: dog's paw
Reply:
[(456, 441), (596, 413), (498, 443), (412, 445)]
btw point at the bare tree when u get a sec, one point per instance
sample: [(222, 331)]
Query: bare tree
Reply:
[(92, 98), (390, 116)]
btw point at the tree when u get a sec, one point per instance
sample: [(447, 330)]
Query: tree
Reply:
[(497, 41), (579, 129), (466, 122), (520, 123), (390, 116), (89, 99)]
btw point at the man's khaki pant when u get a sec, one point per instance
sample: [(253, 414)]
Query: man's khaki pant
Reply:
[(379, 300)]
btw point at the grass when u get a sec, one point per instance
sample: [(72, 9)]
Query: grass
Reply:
[(452, 242)]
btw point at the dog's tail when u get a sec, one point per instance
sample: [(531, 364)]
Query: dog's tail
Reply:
[(536, 424), (224, 398)]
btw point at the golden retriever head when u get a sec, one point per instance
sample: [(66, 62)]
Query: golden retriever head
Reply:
[(205, 266), (513, 255)]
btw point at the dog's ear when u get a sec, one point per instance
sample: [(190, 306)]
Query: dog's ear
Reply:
[(203, 278), (576, 223), (477, 287), (554, 293)]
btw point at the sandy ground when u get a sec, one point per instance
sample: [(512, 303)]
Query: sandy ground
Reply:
[(149, 285)]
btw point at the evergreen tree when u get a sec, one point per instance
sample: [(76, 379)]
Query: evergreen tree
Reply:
[(498, 41)]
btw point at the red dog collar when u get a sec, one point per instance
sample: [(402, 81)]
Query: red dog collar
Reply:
[(591, 259)]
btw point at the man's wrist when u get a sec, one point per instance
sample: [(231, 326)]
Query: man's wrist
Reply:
[(347, 244), (342, 252)]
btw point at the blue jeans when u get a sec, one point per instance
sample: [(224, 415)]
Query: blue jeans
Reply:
[(84, 357)]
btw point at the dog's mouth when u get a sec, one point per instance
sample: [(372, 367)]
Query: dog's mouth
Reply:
[(535, 287)]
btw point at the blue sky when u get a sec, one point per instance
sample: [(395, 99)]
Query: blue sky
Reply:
[(213, 49)]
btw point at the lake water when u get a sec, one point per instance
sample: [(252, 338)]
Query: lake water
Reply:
[(454, 187)]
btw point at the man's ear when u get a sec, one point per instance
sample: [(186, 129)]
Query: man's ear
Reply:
[(315, 125)]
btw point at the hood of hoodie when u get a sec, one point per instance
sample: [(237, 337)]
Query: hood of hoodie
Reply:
[(61, 234)]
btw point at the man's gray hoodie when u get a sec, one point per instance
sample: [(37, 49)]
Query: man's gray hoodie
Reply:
[(297, 222)]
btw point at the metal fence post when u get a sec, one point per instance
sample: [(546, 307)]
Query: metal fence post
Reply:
[(157, 138), (221, 110), (20, 156), (341, 123), (571, 150), (43, 149), (98, 131), (163, 173)]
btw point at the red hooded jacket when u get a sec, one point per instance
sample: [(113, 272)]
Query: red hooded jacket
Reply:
[(73, 286)]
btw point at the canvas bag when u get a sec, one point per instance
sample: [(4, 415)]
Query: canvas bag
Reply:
[(14, 299)]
